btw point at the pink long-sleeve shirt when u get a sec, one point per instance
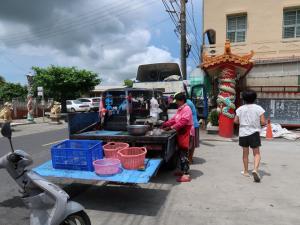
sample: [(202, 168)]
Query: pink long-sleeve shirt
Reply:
[(182, 118)]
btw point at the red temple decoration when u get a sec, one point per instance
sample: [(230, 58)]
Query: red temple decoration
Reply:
[(228, 68)]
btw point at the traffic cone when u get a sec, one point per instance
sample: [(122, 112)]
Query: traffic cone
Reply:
[(269, 133)]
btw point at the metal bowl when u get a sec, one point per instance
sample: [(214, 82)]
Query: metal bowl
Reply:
[(137, 130)]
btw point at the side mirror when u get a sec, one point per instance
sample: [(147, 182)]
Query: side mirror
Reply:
[(6, 130)]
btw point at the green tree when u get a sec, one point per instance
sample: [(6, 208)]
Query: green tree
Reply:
[(8, 91), (2, 80), (63, 83), (128, 83)]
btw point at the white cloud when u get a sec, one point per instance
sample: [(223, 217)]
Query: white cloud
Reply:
[(109, 37)]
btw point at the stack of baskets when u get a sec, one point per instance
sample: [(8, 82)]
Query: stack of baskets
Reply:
[(111, 149), (131, 158)]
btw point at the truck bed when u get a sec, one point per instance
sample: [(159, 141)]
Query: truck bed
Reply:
[(124, 176)]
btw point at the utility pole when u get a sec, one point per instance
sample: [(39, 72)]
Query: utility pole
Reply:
[(183, 52), (203, 35)]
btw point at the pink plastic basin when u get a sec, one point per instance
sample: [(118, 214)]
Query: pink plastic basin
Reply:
[(108, 166)]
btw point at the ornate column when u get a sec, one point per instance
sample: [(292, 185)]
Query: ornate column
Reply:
[(226, 67), (226, 100)]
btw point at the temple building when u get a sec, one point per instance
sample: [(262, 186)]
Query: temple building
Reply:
[(270, 28)]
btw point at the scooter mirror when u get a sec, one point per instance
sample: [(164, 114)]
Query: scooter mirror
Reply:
[(6, 130)]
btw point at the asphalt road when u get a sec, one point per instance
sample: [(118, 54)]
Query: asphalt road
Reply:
[(12, 210), (217, 195)]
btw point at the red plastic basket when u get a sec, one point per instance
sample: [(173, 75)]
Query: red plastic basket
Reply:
[(111, 149), (132, 158)]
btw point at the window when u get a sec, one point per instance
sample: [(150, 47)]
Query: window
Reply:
[(83, 100), (291, 23), (236, 28)]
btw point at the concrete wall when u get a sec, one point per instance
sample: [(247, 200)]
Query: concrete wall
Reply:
[(264, 26), (263, 36)]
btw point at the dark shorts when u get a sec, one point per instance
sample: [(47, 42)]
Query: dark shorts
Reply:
[(252, 141)]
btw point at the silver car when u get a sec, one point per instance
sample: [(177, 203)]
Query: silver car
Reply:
[(77, 106), (92, 102)]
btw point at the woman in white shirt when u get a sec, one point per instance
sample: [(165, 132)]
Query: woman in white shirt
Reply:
[(250, 117)]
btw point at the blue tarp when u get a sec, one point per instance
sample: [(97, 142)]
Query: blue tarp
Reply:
[(101, 133), (125, 176)]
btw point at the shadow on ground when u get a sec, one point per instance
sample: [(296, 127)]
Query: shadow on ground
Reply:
[(15, 202), (121, 198), (206, 144), (198, 160), (263, 173)]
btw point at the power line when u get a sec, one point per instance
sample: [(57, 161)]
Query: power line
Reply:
[(171, 11), (148, 27), (81, 26), (194, 23), (21, 68), (195, 35), (88, 15)]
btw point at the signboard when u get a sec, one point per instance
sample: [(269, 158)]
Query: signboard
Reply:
[(282, 111), (40, 89), (40, 93)]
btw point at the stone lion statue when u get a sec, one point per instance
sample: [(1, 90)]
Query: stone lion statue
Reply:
[(6, 112), (55, 110)]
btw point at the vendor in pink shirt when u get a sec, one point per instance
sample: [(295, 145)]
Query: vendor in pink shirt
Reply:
[(182, 122)]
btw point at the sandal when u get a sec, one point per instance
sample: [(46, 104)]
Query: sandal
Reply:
[(245, 174), (178, 174), (183, 178), (256, 176)]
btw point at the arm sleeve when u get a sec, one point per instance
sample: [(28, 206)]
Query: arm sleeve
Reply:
[(238, 112), (184, 120), (261, 110), (181, 123), (170, 122)]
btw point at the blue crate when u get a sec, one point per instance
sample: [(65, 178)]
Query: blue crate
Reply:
[(76, 154)]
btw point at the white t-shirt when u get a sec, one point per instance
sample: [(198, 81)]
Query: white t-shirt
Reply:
[(249, 117)]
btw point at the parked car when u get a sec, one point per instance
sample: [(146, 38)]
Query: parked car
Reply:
[(92, 102), (77, 106)]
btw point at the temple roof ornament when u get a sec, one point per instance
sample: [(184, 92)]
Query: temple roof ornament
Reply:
[(227, 57)]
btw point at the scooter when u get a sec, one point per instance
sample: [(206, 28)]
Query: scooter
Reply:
[(48, 203)]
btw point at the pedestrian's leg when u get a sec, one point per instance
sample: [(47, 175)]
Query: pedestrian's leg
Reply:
[(184, 162), (257, 158), (256, 155), (245, 160), (185, 168), (191, 150)]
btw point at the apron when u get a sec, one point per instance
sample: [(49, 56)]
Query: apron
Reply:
[(183, 138)]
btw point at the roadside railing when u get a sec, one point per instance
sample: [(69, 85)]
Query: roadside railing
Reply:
[(20, 108)]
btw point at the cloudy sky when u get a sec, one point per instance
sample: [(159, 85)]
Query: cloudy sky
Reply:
[(109, 37)]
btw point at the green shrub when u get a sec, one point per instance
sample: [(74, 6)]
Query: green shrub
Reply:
[(213, 117)]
